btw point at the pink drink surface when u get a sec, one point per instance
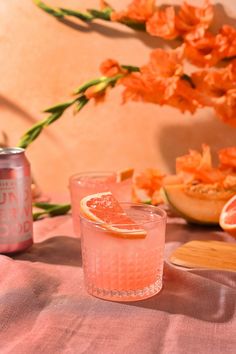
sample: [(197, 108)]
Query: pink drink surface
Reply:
[(116, 265), (80, 188)]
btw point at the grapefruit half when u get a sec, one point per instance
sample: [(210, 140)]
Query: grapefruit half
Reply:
[(228, 217)]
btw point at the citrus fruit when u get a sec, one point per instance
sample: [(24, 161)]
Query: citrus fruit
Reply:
[(105, 209), (228, 217), (125, 174)]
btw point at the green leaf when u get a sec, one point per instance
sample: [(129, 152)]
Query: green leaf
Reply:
[(88, 84), (52, 118), (81, 102), (51, 210), (59, 107), (148, 202), (35, 131), (59, 210), (38, 215), (57, 111), (44, 206), (103, 15), (188, 79), (131, 68), (50, 10), (30, 136), (82, 16), (138, 26), (113, 80)]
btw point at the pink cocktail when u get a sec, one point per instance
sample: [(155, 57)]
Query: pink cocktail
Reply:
[(86, 183), (124, 269)]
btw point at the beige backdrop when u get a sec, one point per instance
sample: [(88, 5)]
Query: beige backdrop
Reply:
[(42, 60)]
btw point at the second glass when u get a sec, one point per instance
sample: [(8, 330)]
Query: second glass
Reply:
[(86, 183)]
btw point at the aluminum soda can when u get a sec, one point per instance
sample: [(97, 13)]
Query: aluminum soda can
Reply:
[(16, 222)]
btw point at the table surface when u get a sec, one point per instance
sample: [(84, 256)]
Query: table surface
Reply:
[(44, 307)]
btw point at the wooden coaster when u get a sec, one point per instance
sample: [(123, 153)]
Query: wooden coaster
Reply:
[(206, 254)]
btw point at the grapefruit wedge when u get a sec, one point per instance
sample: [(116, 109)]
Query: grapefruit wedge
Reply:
[(125, 174), (228, 217), (106, 210)]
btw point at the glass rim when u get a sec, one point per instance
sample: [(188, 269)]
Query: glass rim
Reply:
[(159, 211), (91, 174)]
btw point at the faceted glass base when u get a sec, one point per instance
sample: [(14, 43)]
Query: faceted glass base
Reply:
[(125, 295)]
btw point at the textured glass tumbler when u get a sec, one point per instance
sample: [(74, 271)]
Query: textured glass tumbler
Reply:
[(124, 269), (86, 183)]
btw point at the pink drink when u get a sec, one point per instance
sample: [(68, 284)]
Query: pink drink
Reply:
[(124, 269), (87, 183), (16, 225)]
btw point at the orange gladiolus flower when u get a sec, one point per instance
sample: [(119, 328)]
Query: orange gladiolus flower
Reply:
[(185, 98), (209, 50), (226, 42), (198, 167), (157, 81), (161, 82), (162, 23), (211, 85), (97, 92), (217, 89), (111, 68), (194, 160), (140, 88), (138, 10), (227, 158), (147, 186), (203, 51), (150, 180), (164, 69), (226, 107), (192, 21), (165, 63)]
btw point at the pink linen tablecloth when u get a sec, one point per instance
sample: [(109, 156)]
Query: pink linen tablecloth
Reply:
[(44, 307)]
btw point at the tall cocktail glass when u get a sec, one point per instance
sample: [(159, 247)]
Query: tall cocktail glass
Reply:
[(124, 269), (86, 183)]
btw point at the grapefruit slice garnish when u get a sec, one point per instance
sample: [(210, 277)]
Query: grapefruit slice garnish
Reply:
[(125, 174), (228, 217), (106, 210)]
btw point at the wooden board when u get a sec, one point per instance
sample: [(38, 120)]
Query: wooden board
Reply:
[(206, 254)]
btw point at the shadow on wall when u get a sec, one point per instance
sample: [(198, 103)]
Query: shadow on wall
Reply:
[(114, 33), (212, 132), (221, 17), (6, 103)]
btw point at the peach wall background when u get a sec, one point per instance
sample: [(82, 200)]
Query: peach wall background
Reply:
[(42, 60)]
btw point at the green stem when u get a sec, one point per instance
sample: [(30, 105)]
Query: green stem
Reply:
[(82, 16), (131, 68), (36, 129), (188, 79), (88, 84), (50, 210), (57, 111), (90, 15), (102, 15), (50, 10)]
